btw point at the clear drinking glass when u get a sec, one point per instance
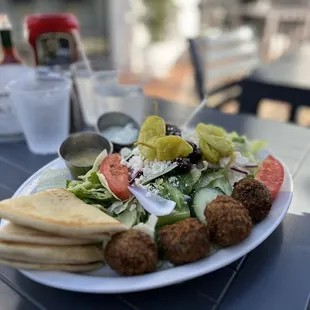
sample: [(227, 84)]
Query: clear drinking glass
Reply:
[(42, 106), (113, 97), (85, 86)]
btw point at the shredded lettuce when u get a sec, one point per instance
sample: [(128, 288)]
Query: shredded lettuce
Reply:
[(149, 226), (105, 184), (187, 181), (128, 212), (90, 190), (244, 146), (96, 165), (129, 218), (172, 193), (52, 178)]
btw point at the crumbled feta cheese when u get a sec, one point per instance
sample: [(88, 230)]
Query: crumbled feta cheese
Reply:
[(136, 151), (174, 181), (150, 188), (132, 207), (135, 163), (125, 152), (190, 135), (155, 167), (186, 197)]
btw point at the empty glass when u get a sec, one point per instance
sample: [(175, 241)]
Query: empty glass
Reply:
[(42, 106)]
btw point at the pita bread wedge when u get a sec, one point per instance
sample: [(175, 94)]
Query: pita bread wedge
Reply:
[(15, 233), (51, 254), (58, 267), (59, 212)]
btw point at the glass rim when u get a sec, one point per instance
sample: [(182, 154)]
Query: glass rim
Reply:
[(66, 85), (98, 65)]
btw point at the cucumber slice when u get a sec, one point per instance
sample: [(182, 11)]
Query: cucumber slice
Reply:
[(202, 198)]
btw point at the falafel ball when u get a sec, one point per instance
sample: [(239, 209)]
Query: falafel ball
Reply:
[(228, 221), (185, 241), (255, 196), (131, 252)]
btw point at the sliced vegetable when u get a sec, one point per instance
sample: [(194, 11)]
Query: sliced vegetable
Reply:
[(153, 128), (213, 142), (172, 147), (169, 148), (240, 170), (209, 176), (152, 203), (216, 179), (202, 198), (116, 175), (208, 152), (173, 217), (271, 173)]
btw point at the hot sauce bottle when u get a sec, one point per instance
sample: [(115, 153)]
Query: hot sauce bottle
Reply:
[(8, 50)]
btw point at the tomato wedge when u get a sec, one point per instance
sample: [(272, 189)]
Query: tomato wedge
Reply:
[(116, 175), (271, 173)]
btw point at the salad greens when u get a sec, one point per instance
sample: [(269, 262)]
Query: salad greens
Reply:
[(215, 179), (52, 178), (90, 189), (226, 159)]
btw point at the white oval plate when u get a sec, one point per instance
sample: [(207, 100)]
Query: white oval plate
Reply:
[(106, 280)]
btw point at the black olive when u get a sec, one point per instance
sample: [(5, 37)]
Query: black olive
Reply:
[(172, 130), (196, 155), (184, 165)]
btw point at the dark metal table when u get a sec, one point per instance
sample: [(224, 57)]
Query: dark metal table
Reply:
[(273, 276), (286, 79)]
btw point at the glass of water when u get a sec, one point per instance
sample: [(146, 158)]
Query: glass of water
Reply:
[(84, 83), (113, 97), (42, 106)]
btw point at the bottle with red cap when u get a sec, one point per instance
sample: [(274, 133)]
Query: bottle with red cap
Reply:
[(8, 50), (50, 36)]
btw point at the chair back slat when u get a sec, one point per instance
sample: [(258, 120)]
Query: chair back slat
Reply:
[(223, 57), (235, 69), (239, 35), (246, 50)]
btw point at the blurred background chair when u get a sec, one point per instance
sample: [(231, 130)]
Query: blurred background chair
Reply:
[(220, 61)]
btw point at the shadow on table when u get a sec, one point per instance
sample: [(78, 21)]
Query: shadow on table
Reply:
[(276, 268)]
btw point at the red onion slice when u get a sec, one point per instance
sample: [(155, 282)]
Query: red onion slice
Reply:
[(240, 170), (250, 165)]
